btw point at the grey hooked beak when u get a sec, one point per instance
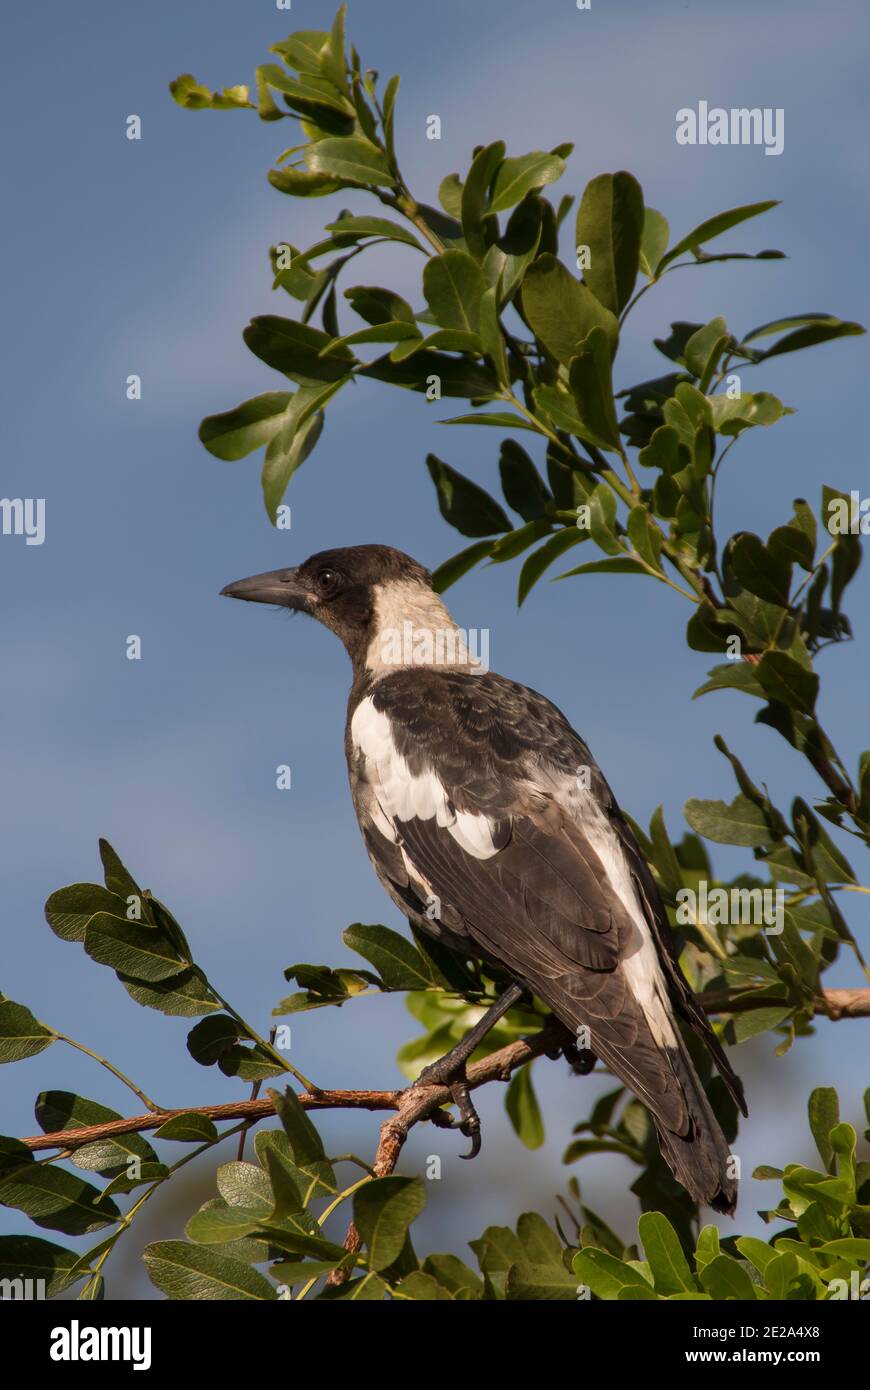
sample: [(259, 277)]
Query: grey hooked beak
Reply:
[(281, 587)]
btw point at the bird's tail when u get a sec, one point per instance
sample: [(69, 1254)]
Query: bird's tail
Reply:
[(663, 1077), (700, 1157)]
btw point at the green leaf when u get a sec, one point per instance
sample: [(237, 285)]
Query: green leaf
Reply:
[(300, 1271), (137, 950), (732, 675), (301, 183), (654, 241), (474, 197), (376, 227), (741, 823), (118, 879), (58, 1199), (809, 329), (21, 1035), (645, 536), (786, 680), (756, 1252), (539, 1240), (423, 1288), (235, 433), (454, 377), (332, 55), (216, 1222), (713, 227), (294, 349), (62, 1110), (517, 177), (250, 1063), (661, 1244), (492, 337), (369, 1289), (733, 415), (467, 507), (377, 306), (208, 1040), (183, 1271), (396, 331), (353, 159), (453, 1274), (450, 195), (561, 311), (523, 1110), (195, 97), (759, 571), (524, 489), (703, 350), (69, 910), (541, 559), (614, 564), (610, 222), (31, 1258), (398, 962), (824, 1115), (291, 447), (245, 1185), (754, 1021), (725, 1279), (707, 1248), (604, 1274), (590, 378), (454, 285), (382, 1211), (792, 545), (185, 995), (188, 1127), (514, 252), (458, 565), (496, 419), (548, 1283), (848, 1248), (309, 1154), (451, 340)]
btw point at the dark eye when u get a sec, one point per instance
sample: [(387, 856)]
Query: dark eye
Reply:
[(328, 581)]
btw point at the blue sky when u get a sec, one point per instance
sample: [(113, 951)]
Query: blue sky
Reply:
[(149, 257)]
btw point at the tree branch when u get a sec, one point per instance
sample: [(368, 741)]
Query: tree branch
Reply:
[(830, 1003), (413, 1103)]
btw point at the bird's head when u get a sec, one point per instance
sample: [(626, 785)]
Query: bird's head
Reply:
[(365, 594)]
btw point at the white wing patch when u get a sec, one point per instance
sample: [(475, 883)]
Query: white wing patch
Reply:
[(641, 966), (400, 795)]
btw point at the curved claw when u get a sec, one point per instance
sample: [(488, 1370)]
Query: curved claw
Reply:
[(474, 1136)]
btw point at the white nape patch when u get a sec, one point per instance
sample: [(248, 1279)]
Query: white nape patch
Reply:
[(400, 795), (412, 627)]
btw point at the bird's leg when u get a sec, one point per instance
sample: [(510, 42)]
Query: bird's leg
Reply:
[(449, 1070)]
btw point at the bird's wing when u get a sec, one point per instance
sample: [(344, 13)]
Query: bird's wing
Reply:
[(476, 792)]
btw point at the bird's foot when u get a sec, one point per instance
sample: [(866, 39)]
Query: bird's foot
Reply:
[(579, 1059), (455, 1079)]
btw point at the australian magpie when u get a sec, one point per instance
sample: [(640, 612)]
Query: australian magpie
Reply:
[(491, 826)]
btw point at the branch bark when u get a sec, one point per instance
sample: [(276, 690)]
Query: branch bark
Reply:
[(412, 1104)]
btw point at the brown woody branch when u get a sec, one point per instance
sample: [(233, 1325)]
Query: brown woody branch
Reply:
[(415, 1104), (412, 1104), (830, 1003)]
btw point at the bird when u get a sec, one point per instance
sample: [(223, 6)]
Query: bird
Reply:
[(493, 829)]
